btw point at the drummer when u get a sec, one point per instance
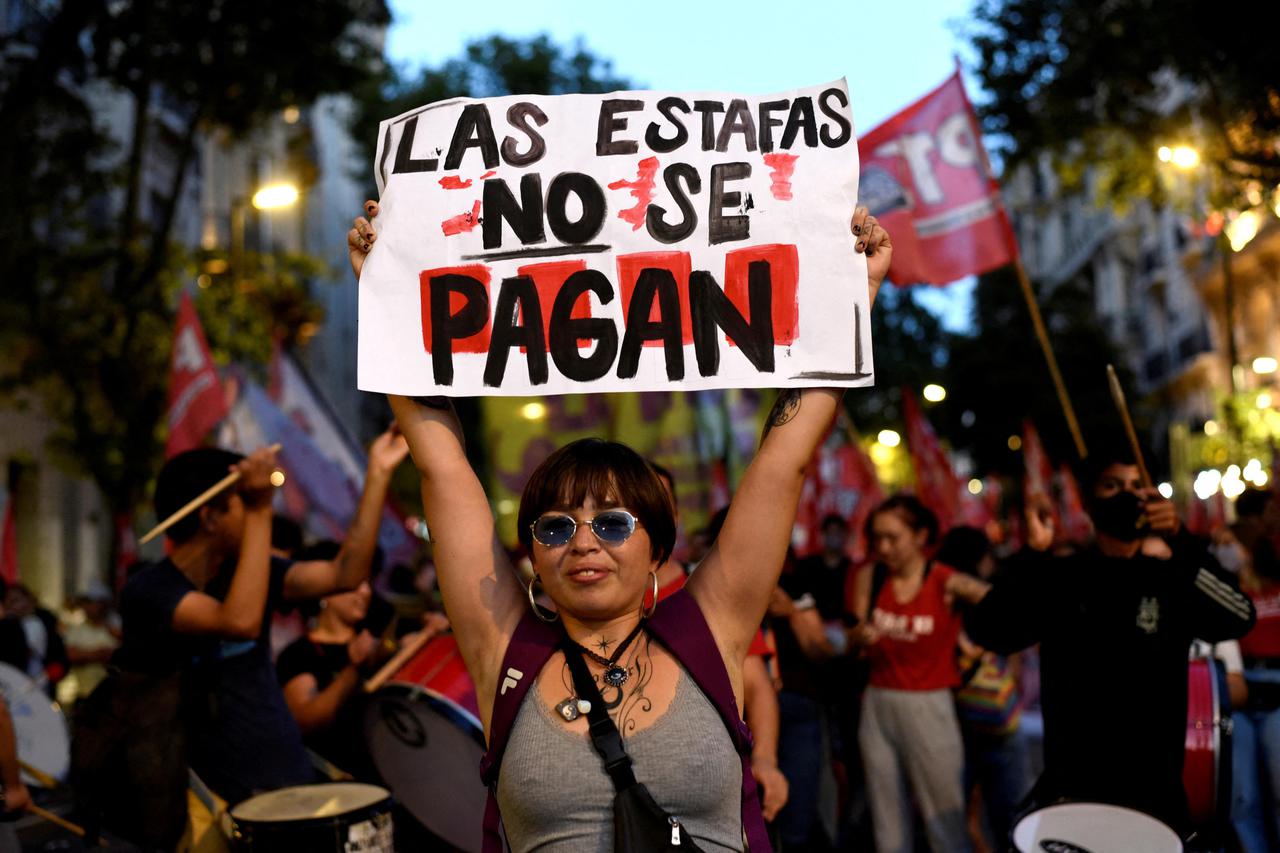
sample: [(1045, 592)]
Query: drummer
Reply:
[(321, 672), (1115, 622), (205, 610), (598, 525)]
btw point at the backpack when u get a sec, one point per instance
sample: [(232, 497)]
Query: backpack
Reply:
[(678, 624)]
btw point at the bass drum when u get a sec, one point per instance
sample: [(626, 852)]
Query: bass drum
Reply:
[(38, 726), (424, 735), (1093, 828), (342, 817), (1206, 768)]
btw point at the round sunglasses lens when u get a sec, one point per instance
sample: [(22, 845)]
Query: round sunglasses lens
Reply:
[(613, 526), (554, 529)]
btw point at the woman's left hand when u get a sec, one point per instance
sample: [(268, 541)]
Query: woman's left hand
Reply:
[(774, 788), (874, 242)]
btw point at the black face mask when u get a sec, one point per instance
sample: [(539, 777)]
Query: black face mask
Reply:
[(1118, 515)]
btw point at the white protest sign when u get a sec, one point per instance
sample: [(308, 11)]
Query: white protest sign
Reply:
[(634, 241)]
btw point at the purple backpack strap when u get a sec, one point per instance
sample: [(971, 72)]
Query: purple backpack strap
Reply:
[(530, 648), (679, 625)]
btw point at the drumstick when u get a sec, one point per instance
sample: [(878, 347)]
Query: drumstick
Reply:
[(398, 660), (1117, 396), (73, 828), (45, 780), (197, 502)]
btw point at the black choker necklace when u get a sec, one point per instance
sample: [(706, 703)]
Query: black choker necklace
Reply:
[(614, 675)]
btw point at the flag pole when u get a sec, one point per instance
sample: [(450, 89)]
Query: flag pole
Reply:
[(1011, 239), (1042, 335)]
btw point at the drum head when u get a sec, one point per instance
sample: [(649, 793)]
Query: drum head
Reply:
[(428, 753), (38, 726), (307, 802), (1093, 828)]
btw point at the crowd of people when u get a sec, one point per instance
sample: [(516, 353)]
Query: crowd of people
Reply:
[(890, 704)]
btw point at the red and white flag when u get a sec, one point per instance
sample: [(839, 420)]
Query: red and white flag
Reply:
[(1037, 473), (196, 401), (1076, 525), (925, 175)]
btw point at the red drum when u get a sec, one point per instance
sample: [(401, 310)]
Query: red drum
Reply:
[(1206, 769), (424, 734)]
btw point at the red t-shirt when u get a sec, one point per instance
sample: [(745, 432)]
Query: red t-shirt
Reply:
[(917, 646), (1264, 640)]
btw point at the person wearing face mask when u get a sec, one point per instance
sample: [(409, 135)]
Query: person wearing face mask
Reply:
[(1115, 621)]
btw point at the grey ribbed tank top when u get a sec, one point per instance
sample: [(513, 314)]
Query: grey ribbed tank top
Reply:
[(556, 797)]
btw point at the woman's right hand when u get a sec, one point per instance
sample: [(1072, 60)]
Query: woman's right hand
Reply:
[(360, 238)]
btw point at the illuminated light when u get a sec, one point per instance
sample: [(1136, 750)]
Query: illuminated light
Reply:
[(1165, 490), (291, 115), (1210, 428), (880, 454), (1275, 201), (888, 438), (216, 266), (1263, 401), (1207, 483), (1184, 157), (1014, 442), (204, 280), (1243, 228), (275, 196), (975, 486), (533, 411), (277, 478), (1232, 485), (1264, 364), (1165, 153), (506, 506), (935, 393)]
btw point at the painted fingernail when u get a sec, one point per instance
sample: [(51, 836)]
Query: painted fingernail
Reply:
[(861, 245), (857, 229)]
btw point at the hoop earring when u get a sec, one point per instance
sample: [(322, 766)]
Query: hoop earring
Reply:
[(646, 612), (539, 610)]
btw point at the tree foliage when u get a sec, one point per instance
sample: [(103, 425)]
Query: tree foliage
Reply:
[(1107, 82), (90, 268)]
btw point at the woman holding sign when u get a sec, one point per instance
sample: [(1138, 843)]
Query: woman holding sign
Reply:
[(654, 689)]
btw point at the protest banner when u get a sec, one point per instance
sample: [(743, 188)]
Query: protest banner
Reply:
[(632, 241)]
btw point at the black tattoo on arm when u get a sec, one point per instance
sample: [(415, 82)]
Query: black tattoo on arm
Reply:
[(786, 407)]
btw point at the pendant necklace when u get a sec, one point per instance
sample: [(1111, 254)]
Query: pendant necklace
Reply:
[(614, 675)]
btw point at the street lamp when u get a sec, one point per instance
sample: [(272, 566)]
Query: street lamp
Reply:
[(934, 393), (267, 197)]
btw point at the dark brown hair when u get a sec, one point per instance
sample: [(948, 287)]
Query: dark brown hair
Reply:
[(605, 470), (913, 513)]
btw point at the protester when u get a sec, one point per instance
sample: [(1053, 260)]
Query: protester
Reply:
[(46, 655), (1114, 620), (989, 706), (1255, 810), (597, 524), (90, 642), (321, 674), (202, 615), (909, 628)]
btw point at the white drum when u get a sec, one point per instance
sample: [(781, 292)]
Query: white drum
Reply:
[(38, 726), (1093, 828), (337, 817)]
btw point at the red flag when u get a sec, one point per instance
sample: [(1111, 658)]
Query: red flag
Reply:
[(840, 480), (196, 401), (936, 484), (925, 175), (9, 545), (1076, 525), (1037, 473)]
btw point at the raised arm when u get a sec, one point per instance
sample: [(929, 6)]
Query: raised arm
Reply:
[(481, 594), (732, 585), (318, 578)]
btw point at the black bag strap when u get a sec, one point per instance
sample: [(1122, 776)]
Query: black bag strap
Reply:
[(604, 734)]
